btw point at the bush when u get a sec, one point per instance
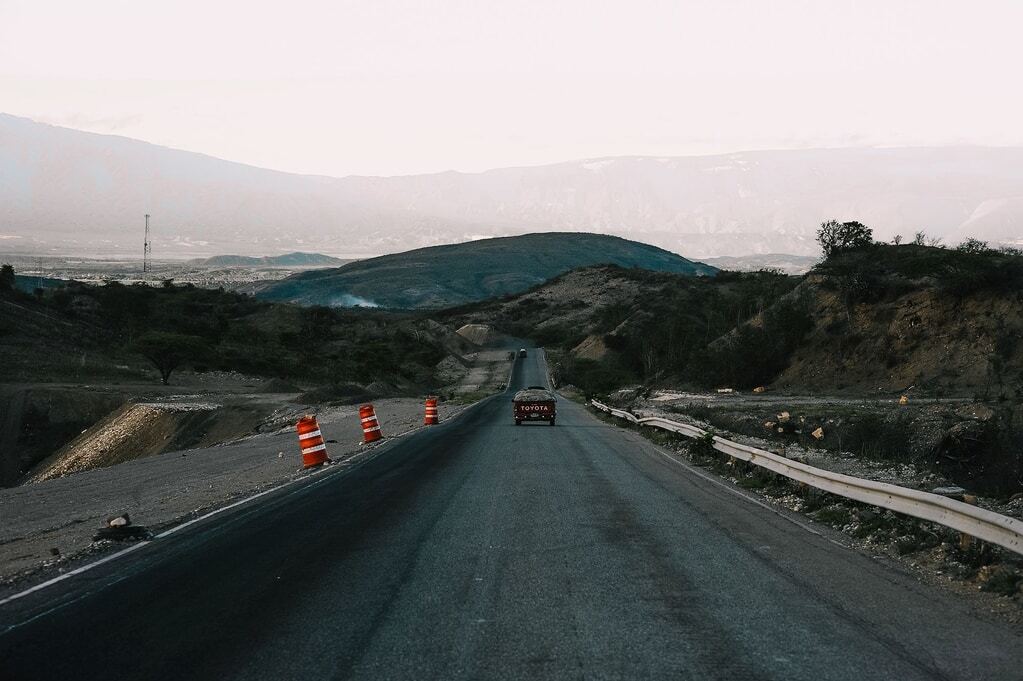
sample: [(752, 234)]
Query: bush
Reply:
[(593, 377), (1002, 580), (975, 273), (7, 278), (874, 436)]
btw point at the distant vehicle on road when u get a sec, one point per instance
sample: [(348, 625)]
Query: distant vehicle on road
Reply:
[(522, 352), (534, 403)]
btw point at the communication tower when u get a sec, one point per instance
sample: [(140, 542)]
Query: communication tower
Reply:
[(147, 248)]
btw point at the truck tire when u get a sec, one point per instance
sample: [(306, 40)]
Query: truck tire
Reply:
[(518, 422), (552, 422)]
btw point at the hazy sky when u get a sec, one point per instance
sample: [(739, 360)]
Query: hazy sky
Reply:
[(397, 86)]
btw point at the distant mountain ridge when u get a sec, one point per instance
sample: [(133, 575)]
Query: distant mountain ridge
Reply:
[(783, 262), (82, 193), (442, 276), (296, 259)]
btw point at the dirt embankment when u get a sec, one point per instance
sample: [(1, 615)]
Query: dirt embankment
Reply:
[(920, 338), (36, 421), (138, 430)]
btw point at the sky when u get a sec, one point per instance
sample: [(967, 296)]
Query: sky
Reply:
[(389, 87)]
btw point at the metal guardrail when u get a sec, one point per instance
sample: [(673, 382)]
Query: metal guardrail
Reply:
[(971, 520)]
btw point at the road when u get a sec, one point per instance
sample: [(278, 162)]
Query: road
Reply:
[(482, 550)]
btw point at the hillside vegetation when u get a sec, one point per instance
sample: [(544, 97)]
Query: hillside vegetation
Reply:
[(894, 317), (875, 317), (610, 326), (82, 331), (441, 276)]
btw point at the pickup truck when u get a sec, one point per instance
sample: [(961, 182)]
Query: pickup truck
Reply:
[(534, 403)]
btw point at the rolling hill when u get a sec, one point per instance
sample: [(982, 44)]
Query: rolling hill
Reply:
[(68, 191), (442, 276)]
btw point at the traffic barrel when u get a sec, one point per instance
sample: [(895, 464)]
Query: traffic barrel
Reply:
[(310, 441), (432, 418), (370, 426)]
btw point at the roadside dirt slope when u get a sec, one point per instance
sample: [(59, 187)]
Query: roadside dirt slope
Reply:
[(921, 338)]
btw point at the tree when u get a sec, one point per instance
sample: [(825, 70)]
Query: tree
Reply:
[(834, 236), (972, 245), (921, 239), (167, 351), (6, 278)]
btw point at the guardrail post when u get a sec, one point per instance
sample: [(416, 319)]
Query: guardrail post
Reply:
[(965, 540)]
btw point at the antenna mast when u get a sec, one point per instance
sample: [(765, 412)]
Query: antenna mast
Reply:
[(147, 248)]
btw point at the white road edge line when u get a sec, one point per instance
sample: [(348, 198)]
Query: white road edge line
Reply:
[(76, 571), (728, 488), (165, 533)]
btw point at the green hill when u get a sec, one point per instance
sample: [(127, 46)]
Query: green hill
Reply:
[(442, 276)]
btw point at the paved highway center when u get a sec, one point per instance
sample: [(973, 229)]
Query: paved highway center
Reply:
[(481, 550)]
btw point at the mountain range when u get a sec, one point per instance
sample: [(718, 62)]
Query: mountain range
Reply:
[(67, 191)]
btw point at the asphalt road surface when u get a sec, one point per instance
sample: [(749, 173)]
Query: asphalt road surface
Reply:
[(482, 550)]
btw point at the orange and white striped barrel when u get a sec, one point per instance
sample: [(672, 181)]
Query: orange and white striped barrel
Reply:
[(310, 441), (432, 418), (370, 426)]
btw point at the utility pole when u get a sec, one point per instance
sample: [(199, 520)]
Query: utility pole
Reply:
[(146, 248)]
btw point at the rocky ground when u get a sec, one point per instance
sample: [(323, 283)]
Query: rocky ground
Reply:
[(886, 438)]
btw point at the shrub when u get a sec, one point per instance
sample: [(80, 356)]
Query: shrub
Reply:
[(7, 278), (874, 436), (593, 377), (1002, 580)]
